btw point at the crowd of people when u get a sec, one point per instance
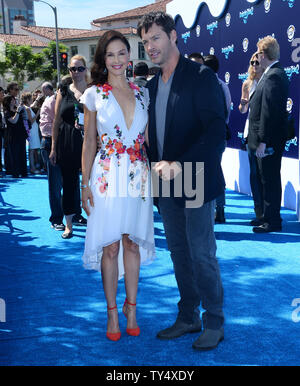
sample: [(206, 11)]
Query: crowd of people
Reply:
[(122, 134)]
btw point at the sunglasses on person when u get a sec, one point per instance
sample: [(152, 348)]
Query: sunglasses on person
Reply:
[(77, 69), (254, 63)]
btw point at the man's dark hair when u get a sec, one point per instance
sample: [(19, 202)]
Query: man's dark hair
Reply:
[(195, 55), (50, 87), (154, 70), (212, 62), (11, 86), (162, 19), (141, 69)]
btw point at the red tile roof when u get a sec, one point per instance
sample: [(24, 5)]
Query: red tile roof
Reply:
[(135, 13), (97, 33), (21, 40), (49, 32)]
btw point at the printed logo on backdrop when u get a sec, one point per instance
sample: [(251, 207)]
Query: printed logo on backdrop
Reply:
[(267, 5), (198, 31), (291, 70), (273, 36), (245, 45), (290, 2), (211, 51), (185, 36), (243, 76), (291, 32), (289, 105), (245, 14), (228, 19), (211, 27), (226, 50), (227, 77)]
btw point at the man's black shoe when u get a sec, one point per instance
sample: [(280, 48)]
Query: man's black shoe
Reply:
[(266, 228), (256, 222), (58, 227), (209, 339), (79, 220), (178, 329), (220, 216)]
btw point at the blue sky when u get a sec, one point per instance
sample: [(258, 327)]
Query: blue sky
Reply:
[(79, 13)]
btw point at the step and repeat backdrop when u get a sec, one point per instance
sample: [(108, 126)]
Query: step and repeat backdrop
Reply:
[(230, 30)]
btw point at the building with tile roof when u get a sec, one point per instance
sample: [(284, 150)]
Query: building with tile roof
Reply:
[(131, 16), (125, 22), (21, 40)]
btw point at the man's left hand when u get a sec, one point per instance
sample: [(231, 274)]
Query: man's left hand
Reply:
[(167, 170), (260, 151)]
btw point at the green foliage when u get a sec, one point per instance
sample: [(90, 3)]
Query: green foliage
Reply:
[(47, 72), (21, 64)]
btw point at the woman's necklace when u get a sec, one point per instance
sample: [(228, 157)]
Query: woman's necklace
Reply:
[(77, 93)]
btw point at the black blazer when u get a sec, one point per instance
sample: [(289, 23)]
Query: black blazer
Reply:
[(195, 124), (268, 115)]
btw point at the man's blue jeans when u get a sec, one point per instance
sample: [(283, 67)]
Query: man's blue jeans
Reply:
[(55, 185), (191, 241)]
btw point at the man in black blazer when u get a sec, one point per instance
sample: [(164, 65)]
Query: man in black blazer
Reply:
[(186, 128), (268, 130)]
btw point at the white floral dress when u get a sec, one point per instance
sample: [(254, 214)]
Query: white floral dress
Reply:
[(119, 180)]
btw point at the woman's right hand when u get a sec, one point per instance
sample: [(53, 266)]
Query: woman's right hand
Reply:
[(86, 195), (244, 102), (52, 157)]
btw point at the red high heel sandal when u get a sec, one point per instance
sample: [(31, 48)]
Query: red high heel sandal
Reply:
[(131, 331), (114, 336)]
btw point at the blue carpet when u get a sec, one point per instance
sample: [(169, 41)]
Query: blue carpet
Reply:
[(56, 311)]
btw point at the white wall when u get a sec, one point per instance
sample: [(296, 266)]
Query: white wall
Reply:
[(235, 166)]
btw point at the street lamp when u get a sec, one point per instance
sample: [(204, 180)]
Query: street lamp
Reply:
[(56, 32)]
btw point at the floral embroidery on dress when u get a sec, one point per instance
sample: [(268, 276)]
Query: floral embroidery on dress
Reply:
[(105, 90), (139, 94), (136, 152), (119, 131), (105, 163), (115, 147)]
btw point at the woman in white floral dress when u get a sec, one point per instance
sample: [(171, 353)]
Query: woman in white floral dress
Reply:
[(116, 184)]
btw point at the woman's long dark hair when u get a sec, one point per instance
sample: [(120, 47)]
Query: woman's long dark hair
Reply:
[(98, 70)]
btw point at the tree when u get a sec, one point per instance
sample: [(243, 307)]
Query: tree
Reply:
[(21, 64), (47, 72)]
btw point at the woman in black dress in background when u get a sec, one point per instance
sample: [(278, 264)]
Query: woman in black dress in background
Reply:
[(67, 136), (16, 135)]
